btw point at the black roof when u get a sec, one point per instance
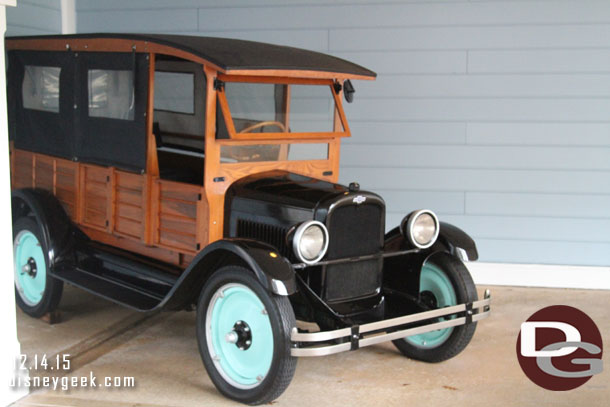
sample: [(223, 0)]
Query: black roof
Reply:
[(231, 54)]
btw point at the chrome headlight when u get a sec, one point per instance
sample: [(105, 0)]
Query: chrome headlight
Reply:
[(420, 228), (310, 241)]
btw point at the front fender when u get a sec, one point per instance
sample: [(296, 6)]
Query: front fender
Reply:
[(451, 239), (454, 240), (271, 269), (402, 272)]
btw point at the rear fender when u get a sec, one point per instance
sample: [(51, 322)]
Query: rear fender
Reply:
[(57, 228)]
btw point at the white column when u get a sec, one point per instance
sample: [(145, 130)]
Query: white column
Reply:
[(10, 348), (68, 17)]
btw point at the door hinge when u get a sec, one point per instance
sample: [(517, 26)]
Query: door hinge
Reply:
[(218, 84)]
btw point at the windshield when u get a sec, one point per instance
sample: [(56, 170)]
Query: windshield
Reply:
[(279, 108)]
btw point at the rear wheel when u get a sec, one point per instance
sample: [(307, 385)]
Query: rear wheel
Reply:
[(243, 333), (444, 282), (36, 292)]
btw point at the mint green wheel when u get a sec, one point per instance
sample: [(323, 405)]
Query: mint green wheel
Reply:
[(36, 292), (29, 259), (444, 282), (243, 332), (240, 334), (436, 291)]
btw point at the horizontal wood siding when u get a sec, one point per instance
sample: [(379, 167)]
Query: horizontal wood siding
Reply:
[(95, 193), (495, 114), (176, 220), (130, 202), (22, 169), (55, 175), (66, 184)]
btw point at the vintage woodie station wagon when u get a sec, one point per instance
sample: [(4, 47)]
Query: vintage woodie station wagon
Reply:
[(168, 172)]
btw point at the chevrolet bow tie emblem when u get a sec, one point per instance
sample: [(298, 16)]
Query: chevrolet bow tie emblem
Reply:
[(359, 199)]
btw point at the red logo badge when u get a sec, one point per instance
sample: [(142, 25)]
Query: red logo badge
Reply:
[(560, 348)]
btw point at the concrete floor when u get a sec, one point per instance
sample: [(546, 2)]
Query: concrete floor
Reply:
[(160, 352)]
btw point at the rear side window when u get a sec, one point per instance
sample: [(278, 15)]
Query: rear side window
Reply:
[(111, 93), (40, 89), (175, 92)]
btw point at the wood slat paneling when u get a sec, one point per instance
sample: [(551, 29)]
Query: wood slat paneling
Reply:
[(177, 215), (94, 193), (129, 204)]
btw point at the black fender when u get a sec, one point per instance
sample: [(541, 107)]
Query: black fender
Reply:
[(270, 268), (451, 239), (402, 272), (55, 224)]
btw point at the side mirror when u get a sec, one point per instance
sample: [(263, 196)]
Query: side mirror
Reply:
[(348, 91)]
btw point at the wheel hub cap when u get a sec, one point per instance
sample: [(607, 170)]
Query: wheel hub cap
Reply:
[(29, 268), (239, 336)]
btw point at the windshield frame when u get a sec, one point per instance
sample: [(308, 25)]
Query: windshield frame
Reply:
[(340, 126)]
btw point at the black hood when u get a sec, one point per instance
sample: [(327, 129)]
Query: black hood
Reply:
[(282, 199), (284, 188), (268, 206)]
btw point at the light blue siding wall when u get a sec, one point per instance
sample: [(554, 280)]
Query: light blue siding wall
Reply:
[(34, 17), (496, 114)]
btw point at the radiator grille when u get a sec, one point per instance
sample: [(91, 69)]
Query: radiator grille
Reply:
[(272, 234), (354, 230)]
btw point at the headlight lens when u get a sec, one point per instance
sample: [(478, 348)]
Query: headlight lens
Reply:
[(421, 228), (310, 241)]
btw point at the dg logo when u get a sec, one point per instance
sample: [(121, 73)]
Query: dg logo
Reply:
[(560, 348)]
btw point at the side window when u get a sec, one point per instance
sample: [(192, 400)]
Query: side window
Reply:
[(175, 92), (40, 88), (179, 104), (111, 93)]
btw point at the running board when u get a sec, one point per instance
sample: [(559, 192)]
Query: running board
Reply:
[(136, 283), (108, 289)]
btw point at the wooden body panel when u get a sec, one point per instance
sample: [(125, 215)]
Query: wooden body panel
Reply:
[(129, 204), (112, 206), (94, 190), (31, 170), (175, 224)]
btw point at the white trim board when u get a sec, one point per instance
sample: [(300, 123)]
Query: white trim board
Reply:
[(540, 275)]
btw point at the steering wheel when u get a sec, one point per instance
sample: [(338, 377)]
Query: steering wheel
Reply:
[(263, 124)]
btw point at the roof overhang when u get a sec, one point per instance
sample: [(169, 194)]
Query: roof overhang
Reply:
[(194, 49)]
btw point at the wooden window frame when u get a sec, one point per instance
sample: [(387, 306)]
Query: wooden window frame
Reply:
[(287, 137)]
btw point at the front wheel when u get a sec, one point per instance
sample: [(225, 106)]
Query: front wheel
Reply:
[(444, 282), (243, 333)]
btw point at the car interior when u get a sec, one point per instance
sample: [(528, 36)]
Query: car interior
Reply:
[(179, 119)]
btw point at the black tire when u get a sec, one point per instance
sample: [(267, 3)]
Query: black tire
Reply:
[(465, 291), (280, 316), (53, 287)]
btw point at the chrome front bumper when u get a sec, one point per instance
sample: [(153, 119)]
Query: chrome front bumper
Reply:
[(359, 336)]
